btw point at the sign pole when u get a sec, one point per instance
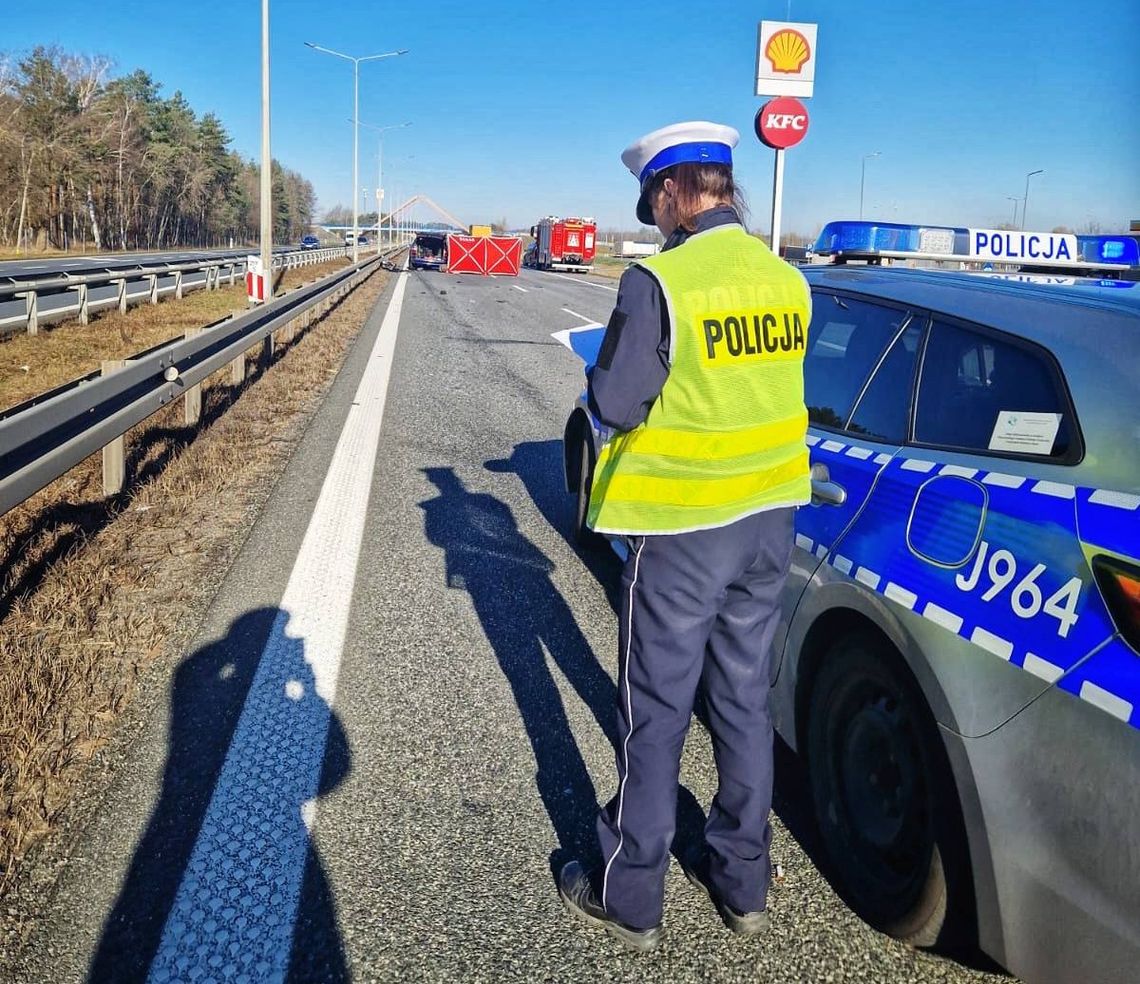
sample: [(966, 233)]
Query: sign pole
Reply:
[(777, 200)]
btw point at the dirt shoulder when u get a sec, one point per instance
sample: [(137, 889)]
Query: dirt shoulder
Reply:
[(93, 592)]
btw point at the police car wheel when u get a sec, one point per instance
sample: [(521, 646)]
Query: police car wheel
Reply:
[(883, 795), (583, 535)]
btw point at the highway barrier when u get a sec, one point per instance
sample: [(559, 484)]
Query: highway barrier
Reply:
[(79, 294), (43, 438)]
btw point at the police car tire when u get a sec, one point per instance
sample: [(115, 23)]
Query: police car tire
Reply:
[(927, 903), (584, 536)]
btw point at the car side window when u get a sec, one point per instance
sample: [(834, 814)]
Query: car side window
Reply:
[(982, 392), (845, 339), (883, 409)]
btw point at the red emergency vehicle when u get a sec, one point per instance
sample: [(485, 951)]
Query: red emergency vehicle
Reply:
[(563, 244)]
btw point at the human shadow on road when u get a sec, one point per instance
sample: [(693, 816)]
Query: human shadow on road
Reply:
[(212, 842), (523, 614)]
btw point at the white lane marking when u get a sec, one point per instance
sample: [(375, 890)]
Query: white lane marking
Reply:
[(581, 317), (1003, 480), (917, 464), (995, 644), (1121, 500), (247, 863), (517, 287), (1099, 697), (896, 592), (960, 470), (861, 453), (940, 616), (832, 446), (1039, 667), (1059, 490), (579, 280), (868, 577), (842, 564), (629, 718), (804, 542)]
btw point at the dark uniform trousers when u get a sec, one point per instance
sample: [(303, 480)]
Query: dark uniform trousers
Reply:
[(698, 609)]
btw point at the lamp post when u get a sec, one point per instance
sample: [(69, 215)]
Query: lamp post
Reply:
[(266, 159), (380, 165), (1015, 200), (1025, 200), (355, 127), (863, 179)]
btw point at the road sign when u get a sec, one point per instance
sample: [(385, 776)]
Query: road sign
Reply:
[(782, 123), (785, 59)]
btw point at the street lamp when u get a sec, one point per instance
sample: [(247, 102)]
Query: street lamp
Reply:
[(1025, 200), (1015, 200), (862, 180), (355, 127), (380, 165)]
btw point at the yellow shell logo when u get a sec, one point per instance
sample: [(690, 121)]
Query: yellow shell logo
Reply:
[(787, 50)]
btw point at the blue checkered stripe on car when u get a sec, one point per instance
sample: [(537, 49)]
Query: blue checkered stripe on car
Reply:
[(1032, 521)]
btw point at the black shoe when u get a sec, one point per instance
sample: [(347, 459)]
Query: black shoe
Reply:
[(695, 865), (578, 896)]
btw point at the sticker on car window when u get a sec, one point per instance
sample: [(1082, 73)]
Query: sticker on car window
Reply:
[(1024, 432)]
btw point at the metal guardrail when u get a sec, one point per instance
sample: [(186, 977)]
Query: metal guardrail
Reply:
[(44, 438), (155, 279)]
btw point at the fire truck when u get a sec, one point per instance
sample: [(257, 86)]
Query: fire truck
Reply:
[(563, 244)]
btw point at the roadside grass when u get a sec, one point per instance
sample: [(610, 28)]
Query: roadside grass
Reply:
[(610, 266), (33, 364), (94, 591)]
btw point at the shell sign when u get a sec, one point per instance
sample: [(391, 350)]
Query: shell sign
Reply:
[(785, 59)]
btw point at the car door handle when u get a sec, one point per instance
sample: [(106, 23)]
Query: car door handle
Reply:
[(823, 490)]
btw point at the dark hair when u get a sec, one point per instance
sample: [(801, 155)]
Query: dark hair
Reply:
[(692, 182)]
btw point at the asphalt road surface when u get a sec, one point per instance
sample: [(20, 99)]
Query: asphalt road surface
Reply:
[(396, 722)]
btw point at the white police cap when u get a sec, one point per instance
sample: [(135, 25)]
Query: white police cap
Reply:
[(697, 142)]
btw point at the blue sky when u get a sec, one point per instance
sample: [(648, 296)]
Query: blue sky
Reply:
[(522, 109)]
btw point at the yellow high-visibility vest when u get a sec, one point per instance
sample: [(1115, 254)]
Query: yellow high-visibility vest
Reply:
[(725, 438)]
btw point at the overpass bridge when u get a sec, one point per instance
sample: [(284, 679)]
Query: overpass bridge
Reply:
[(401, 220)]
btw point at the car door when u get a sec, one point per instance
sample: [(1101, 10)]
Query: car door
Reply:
[(857, 386)]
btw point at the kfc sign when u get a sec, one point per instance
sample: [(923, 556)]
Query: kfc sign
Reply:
[(782, 122)]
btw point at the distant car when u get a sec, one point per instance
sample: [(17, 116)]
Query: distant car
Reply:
[(959, 655), (361, 240), (428, 252), (310, 242)]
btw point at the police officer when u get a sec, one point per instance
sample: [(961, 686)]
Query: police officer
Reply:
[(700, 375)]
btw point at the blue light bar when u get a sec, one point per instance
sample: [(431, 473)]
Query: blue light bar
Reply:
[(1002, 246)]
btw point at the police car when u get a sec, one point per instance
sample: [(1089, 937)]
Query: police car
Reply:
[(959, 661)]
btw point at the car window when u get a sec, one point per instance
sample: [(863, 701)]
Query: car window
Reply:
[(983, 392), (845, 340), (883, 409)]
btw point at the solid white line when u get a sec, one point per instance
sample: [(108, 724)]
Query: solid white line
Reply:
[(580, 316), (251, 848), (517, 287), (629, 718), (578, 280)]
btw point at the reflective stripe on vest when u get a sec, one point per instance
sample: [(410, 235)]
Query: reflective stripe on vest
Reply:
[(725, 438)]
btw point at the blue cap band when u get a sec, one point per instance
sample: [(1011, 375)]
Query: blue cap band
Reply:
[(687, 153)]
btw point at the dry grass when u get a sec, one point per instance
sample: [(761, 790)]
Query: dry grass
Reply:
[(93, 591), (33, 364), (609, 266)]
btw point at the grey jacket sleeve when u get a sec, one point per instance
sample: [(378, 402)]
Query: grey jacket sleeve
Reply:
[(634, 359)]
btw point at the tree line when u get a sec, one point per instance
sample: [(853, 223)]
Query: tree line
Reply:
[(87, 159)]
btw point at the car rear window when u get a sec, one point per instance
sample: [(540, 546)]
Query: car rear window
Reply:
[(984, 391)]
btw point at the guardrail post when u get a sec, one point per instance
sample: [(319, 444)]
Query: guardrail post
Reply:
[(154, 288), (192, 404), (233, 271), (115, 453), (237, 370), (32, 307), (178, 285), (84, 307), (122, 298), (265, 356)]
